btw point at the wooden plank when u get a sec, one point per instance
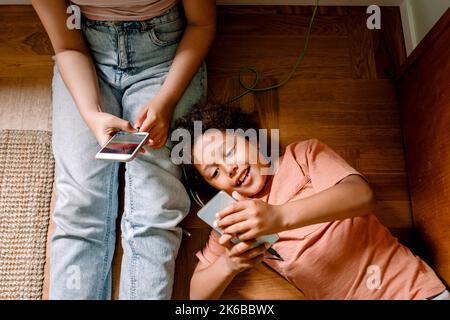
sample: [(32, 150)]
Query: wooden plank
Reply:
[(26, 50), (388, 44), (187, 261), (250, 22), (325, 59), (361, 48), (261, 283)]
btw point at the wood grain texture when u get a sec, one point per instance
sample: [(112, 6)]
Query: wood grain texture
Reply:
[(342, 94), (424, 92), (26, 50)]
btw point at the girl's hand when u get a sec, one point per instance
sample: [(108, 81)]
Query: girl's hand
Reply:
[(155, 119), (105, 125), (249, 219), (242, 256)]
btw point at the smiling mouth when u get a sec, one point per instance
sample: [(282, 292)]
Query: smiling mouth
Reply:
[(242, 177)]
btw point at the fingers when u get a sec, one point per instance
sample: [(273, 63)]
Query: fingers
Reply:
[(241, 247), (148, 124), (157, 142), (123, 125), (256, 260), (253, 253), (250, 234), (238, 228), (157, 134), (225, 239), (141, 117), (232, 208), (230, 219)]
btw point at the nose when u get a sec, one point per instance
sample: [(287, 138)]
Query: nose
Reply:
[(231, 170)]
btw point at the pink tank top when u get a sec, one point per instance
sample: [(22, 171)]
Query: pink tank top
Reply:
[(123, 10)]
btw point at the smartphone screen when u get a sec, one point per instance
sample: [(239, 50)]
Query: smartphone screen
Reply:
[(123, 143)]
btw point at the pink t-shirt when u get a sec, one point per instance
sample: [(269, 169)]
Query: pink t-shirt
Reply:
[(120, 10), (355, 258)]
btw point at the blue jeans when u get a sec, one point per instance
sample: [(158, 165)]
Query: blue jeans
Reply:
[(132, 60)]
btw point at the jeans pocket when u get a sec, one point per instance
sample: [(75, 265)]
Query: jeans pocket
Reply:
[(167, 33)]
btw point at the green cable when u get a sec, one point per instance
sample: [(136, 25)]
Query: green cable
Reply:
[(289, 76)]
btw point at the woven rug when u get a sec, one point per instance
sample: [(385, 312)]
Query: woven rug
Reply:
[(26, 178)]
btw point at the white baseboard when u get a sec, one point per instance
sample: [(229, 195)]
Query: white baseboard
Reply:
[(409, 31)]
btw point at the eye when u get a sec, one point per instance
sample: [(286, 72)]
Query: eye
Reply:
[(215, 173)]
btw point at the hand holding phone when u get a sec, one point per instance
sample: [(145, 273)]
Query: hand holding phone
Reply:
[(221, 201), (123, 146), (104, 125)]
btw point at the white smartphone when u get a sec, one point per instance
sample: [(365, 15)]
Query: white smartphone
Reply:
[(123, 146), (221, 201)]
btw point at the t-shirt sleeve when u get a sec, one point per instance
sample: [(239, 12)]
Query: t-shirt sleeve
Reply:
[(212, 250), (324, 166)]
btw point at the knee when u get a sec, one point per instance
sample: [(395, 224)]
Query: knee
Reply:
[(81, 212)]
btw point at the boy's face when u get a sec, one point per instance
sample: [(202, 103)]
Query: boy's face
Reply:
[(229, 162)]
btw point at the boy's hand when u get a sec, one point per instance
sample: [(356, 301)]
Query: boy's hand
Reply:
[(249, 219), (155, 118), (242, 256)]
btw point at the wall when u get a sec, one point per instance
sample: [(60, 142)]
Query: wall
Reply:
[(425, 107), (418, 18)]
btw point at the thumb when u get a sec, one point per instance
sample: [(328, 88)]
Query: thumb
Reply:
[(236, 195), (141, 117), (148, 123)]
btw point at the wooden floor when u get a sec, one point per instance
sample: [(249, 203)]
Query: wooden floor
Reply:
[(342, 94)]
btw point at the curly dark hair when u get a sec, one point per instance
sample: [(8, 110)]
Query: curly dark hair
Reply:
[(213, 116)]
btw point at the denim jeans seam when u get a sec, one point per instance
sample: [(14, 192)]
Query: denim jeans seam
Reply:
[(128, 51), (107, 237), (134, 256)]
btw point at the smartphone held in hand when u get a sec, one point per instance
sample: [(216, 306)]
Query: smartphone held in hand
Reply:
[(122, 146), (219, 202)]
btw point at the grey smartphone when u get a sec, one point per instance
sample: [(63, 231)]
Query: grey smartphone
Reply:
[(220, 201)]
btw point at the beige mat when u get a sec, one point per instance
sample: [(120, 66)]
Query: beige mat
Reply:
[(26, 179)]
